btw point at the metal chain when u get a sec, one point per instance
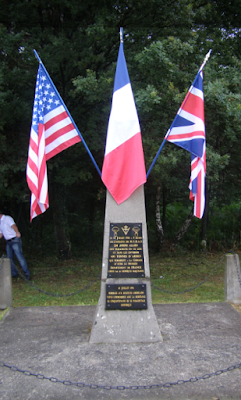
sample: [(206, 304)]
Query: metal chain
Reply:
[(55, 294), (194, 287), (122, 387), (154, 286)]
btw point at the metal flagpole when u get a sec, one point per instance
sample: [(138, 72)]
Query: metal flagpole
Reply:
[(92, 158), (169, 130), (121, 35)]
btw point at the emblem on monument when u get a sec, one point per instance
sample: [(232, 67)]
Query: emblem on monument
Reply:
[(115, 229), (125, 229), (136, 229)]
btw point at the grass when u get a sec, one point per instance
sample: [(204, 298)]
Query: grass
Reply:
[(59, 278), (181, 272), (2, 313), (170, 272)]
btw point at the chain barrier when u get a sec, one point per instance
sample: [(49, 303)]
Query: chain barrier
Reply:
[(194, 287), (55, 294), (122, 387), (154, 286)]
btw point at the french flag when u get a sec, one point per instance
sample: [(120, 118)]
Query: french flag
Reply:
[(123, 168)]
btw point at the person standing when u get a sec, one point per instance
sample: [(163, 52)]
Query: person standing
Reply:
[(10, 232)]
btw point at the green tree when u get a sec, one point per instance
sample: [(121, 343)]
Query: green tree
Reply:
[(164, 42)]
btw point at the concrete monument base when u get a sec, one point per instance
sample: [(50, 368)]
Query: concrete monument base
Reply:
[(129, 326), (133, 325)]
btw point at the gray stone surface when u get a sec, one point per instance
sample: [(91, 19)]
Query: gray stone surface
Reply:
[(198, 339), (6, 298), (232, 287), (125, 326)]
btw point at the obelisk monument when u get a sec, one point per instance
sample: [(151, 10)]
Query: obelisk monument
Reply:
[(124, 313), (123, 322)]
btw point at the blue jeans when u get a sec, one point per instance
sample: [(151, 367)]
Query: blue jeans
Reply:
[(14, 246)]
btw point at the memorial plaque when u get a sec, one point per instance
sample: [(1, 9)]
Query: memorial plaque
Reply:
[(126, 251), (126, 297)]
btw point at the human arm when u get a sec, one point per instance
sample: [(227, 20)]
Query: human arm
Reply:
[(1, 235), (15, 228)]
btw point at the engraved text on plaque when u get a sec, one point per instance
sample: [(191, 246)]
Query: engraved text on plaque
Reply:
[(126, 297), (126, 251)]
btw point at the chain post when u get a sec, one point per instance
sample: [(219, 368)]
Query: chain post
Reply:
[(237, 269)]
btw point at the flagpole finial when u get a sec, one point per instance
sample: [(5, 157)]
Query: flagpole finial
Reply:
[(121, 35), (205, 59), (207, 55), (37, 56)]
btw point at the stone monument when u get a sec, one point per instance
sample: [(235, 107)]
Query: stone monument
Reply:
[(124, 312)]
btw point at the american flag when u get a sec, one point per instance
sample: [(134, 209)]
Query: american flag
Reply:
[(52, 131), (188, 132)]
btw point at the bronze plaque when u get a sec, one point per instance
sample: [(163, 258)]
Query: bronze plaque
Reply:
[(126, 251), (126, 297)]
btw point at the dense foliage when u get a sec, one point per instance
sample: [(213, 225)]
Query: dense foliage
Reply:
[(165, 43)]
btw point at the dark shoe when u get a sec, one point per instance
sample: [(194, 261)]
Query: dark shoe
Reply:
[(27, 277)]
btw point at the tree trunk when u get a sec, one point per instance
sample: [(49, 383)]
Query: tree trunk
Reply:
[(60, 218), (164, 204), (183, 229), (205, 220), (90, 212), (159, 226)]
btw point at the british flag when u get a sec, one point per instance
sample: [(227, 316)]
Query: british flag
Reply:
[(188, 132), (51, 132)]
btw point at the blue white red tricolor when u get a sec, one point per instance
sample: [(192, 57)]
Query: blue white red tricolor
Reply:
[(51, 132), (123, 168), (188, 132)]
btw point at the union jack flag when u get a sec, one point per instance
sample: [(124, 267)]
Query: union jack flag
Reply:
[(188, 132), (51, 132)]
